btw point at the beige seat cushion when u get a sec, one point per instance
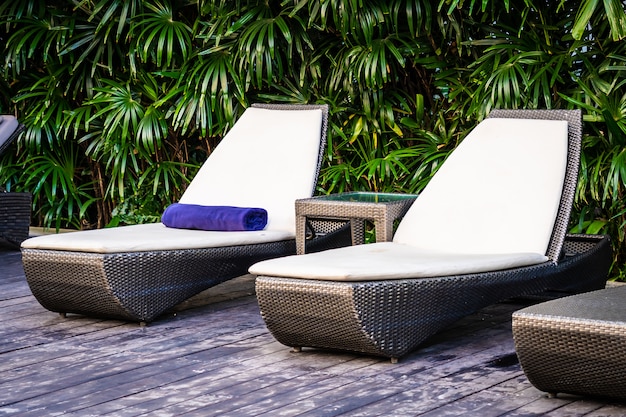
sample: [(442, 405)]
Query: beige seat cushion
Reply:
[(149, 237), (387, 260)]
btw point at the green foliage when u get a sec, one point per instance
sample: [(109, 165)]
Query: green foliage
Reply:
[(124, 99), (55, 180)]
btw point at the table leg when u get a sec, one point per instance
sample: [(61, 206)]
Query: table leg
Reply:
[(357, 229), (384, 229), (300, 235)]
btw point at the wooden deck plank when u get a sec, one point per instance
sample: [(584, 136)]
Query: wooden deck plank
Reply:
[(213, 356), (218, 391), (110, 393), (424, 390), (608, 410), (356, 379), (134, 352), (576, 408)]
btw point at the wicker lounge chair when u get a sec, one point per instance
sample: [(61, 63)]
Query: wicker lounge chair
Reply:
[(490, 225), (575, 344), (270, 158), (14, 207)]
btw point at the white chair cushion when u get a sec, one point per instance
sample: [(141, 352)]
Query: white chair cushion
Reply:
[(498, 192), (149, 237), (388, 260), (267, 160)]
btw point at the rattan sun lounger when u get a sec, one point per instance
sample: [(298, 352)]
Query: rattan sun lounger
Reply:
[(15, 208), (444, 262), (270, 158), (575, 344)]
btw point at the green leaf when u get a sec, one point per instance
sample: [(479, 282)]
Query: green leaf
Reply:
[(616, 15), (585, 11)]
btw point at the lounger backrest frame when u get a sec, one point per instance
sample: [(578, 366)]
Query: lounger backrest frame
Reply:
[(4, 145), (574, 130)]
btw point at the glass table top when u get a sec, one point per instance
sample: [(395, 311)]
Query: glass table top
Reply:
[(367, 197)]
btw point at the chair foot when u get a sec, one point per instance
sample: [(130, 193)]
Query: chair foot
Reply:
[(296, 349), (63, 315), (552, 395), (143, 324), (394, 360)]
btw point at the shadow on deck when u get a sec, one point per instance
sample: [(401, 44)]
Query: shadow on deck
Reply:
[(213, 356)]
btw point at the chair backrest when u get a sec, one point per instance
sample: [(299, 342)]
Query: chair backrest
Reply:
[(574, 120), (269, 158), (508, 187), (9, 130)]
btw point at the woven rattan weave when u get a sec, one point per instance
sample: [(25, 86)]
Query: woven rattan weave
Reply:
[(139, 286), (392, 317), (575, 344), (15, 208)]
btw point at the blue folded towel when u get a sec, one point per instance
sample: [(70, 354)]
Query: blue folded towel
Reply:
[(224, 218)]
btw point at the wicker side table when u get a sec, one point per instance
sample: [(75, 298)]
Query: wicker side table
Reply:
[(575, 344), (355, 207)]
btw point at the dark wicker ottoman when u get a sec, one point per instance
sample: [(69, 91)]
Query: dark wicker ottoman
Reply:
[(14, 217), (575, 344)]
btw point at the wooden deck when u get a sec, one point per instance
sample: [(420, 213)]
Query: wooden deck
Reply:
[(214, 357)]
